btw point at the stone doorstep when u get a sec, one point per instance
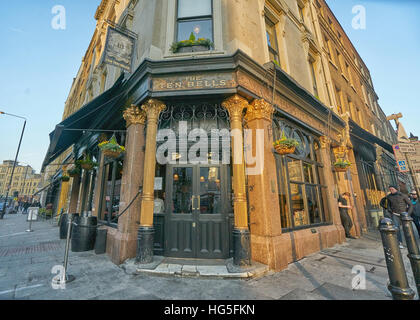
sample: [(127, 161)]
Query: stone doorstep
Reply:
[(227, 271)]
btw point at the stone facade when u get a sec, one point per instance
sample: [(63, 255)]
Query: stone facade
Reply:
[(272, 60)]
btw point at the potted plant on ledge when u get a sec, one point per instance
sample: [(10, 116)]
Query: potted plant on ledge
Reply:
[(111, 148), (341, 165), (87, 163), (65, 178), (192, 45), (285, 145)]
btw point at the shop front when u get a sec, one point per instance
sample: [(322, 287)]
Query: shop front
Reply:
[(184, 187)]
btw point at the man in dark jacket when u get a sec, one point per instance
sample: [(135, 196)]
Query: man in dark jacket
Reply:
[(396, 203), (343, 206), (416, 209)]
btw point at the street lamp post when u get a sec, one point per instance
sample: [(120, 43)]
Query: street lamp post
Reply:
[(14, 164)]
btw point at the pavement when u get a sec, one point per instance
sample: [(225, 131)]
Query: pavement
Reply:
[(30, 260)]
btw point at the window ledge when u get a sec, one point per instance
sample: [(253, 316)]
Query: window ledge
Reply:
[(333, 64), (354, 89), (193, 54), (344, 76)]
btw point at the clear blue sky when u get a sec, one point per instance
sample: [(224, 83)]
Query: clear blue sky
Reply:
[(38, 63), (390, 47), (37, 67)]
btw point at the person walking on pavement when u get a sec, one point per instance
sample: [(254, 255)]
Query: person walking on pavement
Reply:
[(344, 215), (416, 209), (396, 203)]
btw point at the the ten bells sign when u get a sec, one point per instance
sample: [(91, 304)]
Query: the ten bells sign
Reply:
[(195, 82)]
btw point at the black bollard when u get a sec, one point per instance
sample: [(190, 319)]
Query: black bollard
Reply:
[(398, 282), (413, 248)]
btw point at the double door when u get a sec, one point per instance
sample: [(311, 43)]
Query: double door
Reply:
[(197, 207)]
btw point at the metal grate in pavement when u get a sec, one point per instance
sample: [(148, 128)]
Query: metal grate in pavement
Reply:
[(41, 247)]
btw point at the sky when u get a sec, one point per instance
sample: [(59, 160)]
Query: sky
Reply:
[(390, 48), (38, 63), (37, 67)]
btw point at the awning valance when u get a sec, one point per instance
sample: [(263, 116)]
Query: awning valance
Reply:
[(362, 134), (68, 131)]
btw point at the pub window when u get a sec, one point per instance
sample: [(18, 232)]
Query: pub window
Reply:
[(273, 50), (302, 193), (195, 17)]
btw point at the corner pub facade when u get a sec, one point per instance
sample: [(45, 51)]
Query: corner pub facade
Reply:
[(265, 74)]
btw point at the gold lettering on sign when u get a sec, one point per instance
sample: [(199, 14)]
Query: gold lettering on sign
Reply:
[(195, 82)]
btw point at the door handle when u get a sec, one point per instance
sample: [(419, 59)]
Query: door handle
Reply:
[(192, 202), (199, 199)]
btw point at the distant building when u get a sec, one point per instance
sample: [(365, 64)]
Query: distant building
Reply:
[(25, 181)]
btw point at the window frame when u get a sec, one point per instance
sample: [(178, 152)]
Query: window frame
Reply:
[(194, 18), (284, 182), (274, 51)]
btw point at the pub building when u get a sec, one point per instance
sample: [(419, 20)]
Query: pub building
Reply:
[(213, 208)]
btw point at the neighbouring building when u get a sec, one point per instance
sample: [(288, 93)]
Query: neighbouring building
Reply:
[(25, 182), (258, 69)]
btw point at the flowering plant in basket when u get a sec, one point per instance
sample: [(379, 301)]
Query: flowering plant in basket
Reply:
[(285, 145), (111, 148), (342, 165), (87, 163)]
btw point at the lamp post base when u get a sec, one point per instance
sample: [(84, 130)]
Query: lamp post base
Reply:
[(241, 247), (145, 239)]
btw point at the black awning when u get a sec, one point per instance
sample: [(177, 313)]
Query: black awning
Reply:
[(362, 134), (68, 131)]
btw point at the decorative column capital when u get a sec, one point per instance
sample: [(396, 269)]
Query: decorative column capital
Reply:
[(235, 106), (259, 109), (341, 151), (325, 142), (134, 115), (153, 108)]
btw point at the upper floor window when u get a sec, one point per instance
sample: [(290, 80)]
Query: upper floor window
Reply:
[(195, 17), (272, 41)]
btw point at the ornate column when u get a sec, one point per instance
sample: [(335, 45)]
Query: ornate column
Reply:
[(63, 194), (152, 108), (241, 237), (265, 222), (98, 186), (74, 195)]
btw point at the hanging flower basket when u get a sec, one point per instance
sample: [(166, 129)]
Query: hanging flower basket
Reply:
[(285, 145), (87, 163), (74, 172), (342, 165), (283, 150), (65, 178), (111, 149)]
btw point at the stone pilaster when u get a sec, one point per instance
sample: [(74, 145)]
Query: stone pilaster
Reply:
[(98, 186), (327, 179), (74, 195), (235, 106), (265, 223), (124, 241)]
